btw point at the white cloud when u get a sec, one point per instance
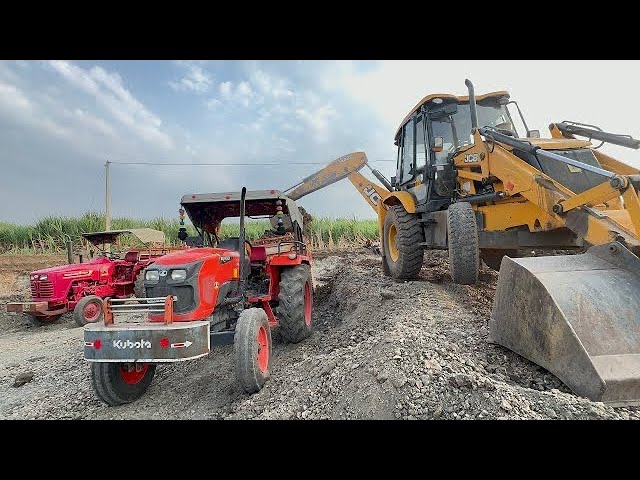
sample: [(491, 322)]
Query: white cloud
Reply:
[(195, 80), (108, 90), (21, 109), (318, 120), (225, 89), (213, 103)]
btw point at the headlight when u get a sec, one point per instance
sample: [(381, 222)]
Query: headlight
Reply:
[(152, 275), (178, 274), (44, 277)]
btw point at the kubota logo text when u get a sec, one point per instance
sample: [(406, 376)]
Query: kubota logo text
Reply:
[(129, 344)]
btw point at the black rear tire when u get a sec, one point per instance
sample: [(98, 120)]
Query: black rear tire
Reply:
[(252, 349), (295, 310), (462, 233), (120, 383), (88, 310), (402, 237), (492, 257)]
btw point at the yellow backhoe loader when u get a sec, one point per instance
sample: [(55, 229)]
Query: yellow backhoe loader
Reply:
[(469, 182)]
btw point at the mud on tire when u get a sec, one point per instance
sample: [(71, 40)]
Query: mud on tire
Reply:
[(295, 311), (252, 349), (117, 384), (402, 238), (462, 239), (88, 310)]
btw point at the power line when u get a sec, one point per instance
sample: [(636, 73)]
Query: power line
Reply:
[(232, 164)]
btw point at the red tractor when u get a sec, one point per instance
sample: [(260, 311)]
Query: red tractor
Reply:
[(81, 287), (229, 291)]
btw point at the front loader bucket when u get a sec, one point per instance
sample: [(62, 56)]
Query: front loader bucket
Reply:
[(578, 316)]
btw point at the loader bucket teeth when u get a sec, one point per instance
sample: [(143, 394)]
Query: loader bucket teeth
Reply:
[(578, 316)]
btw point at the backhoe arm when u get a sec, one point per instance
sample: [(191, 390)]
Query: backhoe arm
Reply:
[(346, 166)]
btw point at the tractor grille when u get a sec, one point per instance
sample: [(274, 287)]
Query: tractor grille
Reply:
[(41, 289)]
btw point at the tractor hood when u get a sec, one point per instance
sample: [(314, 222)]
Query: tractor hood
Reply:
[(191, 255), (74, 267), (145, 235)]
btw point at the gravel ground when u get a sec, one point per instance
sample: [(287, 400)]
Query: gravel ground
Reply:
[(381, 349)]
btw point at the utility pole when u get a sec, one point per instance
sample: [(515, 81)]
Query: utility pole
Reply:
[(107, 214)]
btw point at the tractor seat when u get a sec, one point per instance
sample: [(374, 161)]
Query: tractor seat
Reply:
[(132, 256)]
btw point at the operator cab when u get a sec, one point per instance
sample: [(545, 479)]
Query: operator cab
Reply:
[(436, 130)]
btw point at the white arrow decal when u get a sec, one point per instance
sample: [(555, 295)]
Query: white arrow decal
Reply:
[(182, 344)]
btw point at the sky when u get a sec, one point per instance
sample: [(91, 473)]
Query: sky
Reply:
[(61, 120)]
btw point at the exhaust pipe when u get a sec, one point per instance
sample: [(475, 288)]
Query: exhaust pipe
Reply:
[(472, 104), (241, 239)]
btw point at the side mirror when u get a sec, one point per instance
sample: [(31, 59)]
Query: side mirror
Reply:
[(182, 234), (438, 144), (533, 134), (393, 181)]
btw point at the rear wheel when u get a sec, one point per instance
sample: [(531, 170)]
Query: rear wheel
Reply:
[(402, 238), (462, 238), (295, 310), (252, 349), (88, 310), (492, 257), (44, 319), (120, 383)]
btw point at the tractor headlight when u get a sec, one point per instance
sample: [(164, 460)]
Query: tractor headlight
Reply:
[(178, 275), (44, 277), (152, 275)]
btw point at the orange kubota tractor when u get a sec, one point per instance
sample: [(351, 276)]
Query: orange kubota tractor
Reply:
[(467, 181), (228, 291)]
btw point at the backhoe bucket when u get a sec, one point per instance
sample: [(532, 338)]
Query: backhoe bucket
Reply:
[(578, 316)]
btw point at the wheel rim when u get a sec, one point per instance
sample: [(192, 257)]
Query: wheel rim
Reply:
[(91, 312), (133, 377), (263, 349), (394, 253), (307, 304)]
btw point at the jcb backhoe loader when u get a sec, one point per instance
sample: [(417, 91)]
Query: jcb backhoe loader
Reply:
[(467, 181)]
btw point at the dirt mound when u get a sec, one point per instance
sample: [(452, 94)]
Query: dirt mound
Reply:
[(382, 349)]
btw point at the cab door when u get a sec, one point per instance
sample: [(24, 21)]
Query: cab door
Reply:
[(412, 159)]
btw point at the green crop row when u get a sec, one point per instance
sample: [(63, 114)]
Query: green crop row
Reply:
[(49, 234)]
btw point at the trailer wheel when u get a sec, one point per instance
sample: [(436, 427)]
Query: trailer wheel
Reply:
[(402, 238), (120, 383), (462, 238), (295, 310), (44, 319), (88, 310), (252, 349), (492, 257)]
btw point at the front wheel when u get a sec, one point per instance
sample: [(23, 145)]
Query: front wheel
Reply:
[(120, 383), (462, 239), (138, 287), (88, 310), (252, 349), (402, 240)]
